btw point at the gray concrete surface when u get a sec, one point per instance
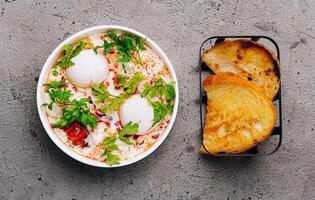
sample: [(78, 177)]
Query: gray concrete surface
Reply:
[(32, 167)]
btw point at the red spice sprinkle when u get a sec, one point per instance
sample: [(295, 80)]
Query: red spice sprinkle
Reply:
[(136, 137), (107, 124), (99, 114), (119, 122), (115, 65), (155, 136), (74, 88), (102, 37)]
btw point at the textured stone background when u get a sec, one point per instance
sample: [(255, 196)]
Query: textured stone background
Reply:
[(32, 167)]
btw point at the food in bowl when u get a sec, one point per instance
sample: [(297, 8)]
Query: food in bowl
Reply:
[(109, 96)]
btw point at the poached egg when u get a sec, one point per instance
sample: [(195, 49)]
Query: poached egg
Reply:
[(137, 110), (89, 68)]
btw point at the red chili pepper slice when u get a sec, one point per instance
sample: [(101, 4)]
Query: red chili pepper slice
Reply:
[(80, 135), (76, 132)]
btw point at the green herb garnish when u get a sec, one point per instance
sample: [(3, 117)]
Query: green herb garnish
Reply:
[(166, 93), (100, 91), (160, 111), (54, 72), (56, 93), (124, 68), (59, 95), (109, 146), (130, 86), (161, 89), (76, 110), (70, 51), (109, 143), (121, 79), (128, 47), (54, 84), (113, 104), (129, 129), (107, 47)]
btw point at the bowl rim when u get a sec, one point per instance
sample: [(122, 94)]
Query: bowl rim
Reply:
[(43, 77)]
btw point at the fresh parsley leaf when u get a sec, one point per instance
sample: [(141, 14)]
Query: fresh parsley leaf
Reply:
[(77, 49), (160, 111), (113, 36), (129, 129), (54, 84), (169, 91), (100, 91), (124, 68), (113, 104), (61, 123), (160, 89), (87, 119), (109, 145), (76, 110), (59, 95), (70, 51), (121, 80), (125, 56), (54, 72), (50, 105), (129, 43), (96, 48), (109, 140), (111, 158), (128, 47), (126, 140), (80, 103), (107, 47), (141, 42), (131, 85)]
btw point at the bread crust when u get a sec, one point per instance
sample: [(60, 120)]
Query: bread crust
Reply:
[(247, 59), (243, 115)]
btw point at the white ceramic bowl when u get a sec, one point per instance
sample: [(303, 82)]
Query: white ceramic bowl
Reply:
[(43, 78)]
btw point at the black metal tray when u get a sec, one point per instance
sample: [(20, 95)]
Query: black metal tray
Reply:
[(273, 142)]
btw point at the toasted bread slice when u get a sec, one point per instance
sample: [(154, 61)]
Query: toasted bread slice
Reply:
[(239, 115), (247, 59)]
